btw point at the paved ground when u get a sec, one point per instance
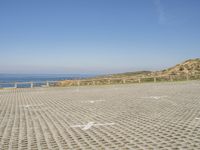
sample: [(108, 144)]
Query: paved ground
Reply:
[(138, 116)]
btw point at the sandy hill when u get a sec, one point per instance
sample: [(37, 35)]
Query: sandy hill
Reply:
[(179, 72), (191, 66)]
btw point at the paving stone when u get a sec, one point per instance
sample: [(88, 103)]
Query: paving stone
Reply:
[(135, 116)]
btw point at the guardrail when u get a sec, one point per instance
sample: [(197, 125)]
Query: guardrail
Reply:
[(101, 81), (128, 80), (28, 84)]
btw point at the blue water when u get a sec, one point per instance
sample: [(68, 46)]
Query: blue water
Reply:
[(9, 79), (36, 77)]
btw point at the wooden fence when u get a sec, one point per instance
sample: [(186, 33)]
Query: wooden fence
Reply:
[(29, 84), (129, 80), (101, 81)]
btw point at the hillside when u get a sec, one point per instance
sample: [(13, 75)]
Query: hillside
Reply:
[(178, 72), (191, 66)]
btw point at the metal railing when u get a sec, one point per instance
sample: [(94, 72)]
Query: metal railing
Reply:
[(31, 84), (129, 80), (100, 81)]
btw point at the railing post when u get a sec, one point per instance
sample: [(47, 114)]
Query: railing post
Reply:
[(47, 84), (171, 79), (78, 82), (31, 84), (124, 81), (15, 85), (154, 79), (196, 76), (187, 77), (108, 81)]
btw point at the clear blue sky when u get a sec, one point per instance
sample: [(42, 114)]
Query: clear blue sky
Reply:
[(97, 36)]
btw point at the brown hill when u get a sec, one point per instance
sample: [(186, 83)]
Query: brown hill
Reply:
[(189, 69), (191, 66)]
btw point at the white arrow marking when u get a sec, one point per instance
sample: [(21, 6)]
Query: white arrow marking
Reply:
[(26, 106), (90, 124), (92, 101), (155, 97)]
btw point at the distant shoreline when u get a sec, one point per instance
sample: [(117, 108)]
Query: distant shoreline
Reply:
[(39, 77)]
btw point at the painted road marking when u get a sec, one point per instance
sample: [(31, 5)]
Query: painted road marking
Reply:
[(155, 97), (27, 106), (93, 101), (90, 124)]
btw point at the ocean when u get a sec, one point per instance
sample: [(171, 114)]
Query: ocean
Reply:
[(8, 80)]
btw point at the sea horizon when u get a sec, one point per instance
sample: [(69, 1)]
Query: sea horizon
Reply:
[(8, 77)]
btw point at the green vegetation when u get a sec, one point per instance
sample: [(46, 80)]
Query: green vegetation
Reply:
[(188, 70)]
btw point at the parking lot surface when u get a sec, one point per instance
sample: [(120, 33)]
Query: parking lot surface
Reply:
[(135, 116)]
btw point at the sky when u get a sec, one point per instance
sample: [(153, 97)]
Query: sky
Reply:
[(97, 36)]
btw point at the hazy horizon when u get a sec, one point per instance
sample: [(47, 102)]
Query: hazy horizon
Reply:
[(97, 37)]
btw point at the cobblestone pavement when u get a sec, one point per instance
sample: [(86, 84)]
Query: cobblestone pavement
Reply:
[(137, 116)]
